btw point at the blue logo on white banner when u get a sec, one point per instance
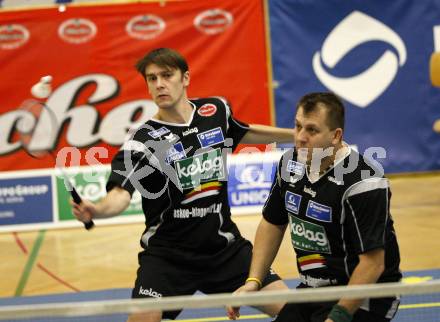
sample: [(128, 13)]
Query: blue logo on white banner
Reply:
[(371, 56), (249, 184), (364, 88), (25, 200)]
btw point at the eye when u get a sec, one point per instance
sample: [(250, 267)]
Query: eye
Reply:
[(167, 74), (151, 78)]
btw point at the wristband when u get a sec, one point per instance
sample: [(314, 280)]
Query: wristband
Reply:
[(256, 280), (340, 314)]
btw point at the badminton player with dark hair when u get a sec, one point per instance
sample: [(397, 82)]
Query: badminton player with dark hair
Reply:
[(336, 204), (177, 160)]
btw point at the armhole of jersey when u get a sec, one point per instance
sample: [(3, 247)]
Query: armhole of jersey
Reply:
[(229, 113), (227, 110), (380, 183), (278, 174)]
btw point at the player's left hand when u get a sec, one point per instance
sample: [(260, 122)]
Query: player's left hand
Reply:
[(234, 312)]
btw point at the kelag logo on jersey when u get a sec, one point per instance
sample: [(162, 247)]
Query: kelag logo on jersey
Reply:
[(308, 236), (250, 183), (200, 168), (211, 137)]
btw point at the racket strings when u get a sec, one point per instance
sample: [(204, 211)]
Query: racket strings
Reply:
[(37, 129)]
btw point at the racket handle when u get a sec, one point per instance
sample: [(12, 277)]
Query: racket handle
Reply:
[(89, 225), (77, 199)]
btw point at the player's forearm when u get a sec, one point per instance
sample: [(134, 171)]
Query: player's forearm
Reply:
[(264, 134), (267, 242), (114, 203), (368, 271)]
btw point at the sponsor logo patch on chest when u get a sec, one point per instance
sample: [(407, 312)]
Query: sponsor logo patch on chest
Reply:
[(295, 167), (310, 191), (176, 152), (190, 131), (308, 236), (207, 110), (319, 212), (159, 132), (200, 168), (292, 202), (211, 137)]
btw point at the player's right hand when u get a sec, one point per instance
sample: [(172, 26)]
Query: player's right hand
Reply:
[(234, 312), (85, 211)]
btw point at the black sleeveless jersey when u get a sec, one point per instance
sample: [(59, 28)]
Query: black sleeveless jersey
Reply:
[(180, 171), (343, 213)]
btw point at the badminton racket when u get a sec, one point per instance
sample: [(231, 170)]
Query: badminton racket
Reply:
[(34, 138)]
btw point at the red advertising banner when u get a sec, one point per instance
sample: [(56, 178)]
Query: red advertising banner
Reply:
[(91, 50)]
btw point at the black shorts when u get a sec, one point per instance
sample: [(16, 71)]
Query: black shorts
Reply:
[(157, 277), (318, 312)]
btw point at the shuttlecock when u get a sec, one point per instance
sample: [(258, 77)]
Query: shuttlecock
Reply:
[(43, 88)]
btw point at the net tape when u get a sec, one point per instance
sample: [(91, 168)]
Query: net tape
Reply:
[(217, 300)]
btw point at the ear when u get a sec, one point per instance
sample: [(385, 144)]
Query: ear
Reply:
[(337, 136), (186, 79)]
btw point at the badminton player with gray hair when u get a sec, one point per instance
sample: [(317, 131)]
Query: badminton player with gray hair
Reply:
[(177, 160)]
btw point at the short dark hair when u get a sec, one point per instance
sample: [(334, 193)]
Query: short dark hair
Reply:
[(162, 57), (331, 102)]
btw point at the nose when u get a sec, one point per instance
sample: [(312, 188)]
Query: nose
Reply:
[(159, 82), (301, 137)]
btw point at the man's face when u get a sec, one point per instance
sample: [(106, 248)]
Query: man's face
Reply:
[(167, 86), (312, 134)]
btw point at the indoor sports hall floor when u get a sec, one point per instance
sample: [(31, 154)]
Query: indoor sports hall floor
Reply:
[(66, 265), (420, 308)]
